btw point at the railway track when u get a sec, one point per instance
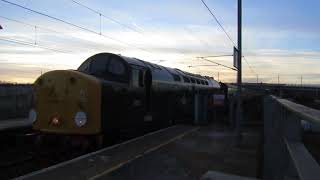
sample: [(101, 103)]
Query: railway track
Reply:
[(19, 155), (16, 153)]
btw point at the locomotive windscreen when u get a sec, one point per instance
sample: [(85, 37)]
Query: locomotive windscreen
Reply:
[(106, 66)]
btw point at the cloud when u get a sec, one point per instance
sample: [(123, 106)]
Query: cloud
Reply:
[(174, 31)]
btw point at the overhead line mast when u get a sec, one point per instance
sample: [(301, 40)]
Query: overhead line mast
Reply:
[(239, 75), (238, 65)]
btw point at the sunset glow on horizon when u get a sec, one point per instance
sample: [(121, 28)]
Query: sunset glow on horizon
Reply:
[(170, 33)]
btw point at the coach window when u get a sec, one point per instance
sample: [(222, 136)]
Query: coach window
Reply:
[(192, 80)]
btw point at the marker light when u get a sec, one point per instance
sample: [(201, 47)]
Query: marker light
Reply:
[(80, 119), (32, 115), (55, 121)]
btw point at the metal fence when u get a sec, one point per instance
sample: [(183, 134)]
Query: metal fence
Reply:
[(285, 156)]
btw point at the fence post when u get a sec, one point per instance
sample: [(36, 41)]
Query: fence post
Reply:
[(231, 112), (196, 108), (205, 108)]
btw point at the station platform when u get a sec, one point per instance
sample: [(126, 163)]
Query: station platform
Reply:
[(178, 152), (12, 124)]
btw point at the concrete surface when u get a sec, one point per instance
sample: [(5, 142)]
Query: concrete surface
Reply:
[(180, 152), (106, 160), (213, 175), (209, 148)]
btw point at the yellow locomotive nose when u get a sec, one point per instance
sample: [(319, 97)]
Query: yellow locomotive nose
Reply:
[(67, 102)]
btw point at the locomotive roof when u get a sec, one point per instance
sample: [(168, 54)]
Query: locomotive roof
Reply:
[(139, 62), (165, 73), (175, 71)]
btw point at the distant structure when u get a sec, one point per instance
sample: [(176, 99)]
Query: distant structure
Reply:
[(12, 83)]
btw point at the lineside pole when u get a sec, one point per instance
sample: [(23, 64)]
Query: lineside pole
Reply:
[(239, 76)]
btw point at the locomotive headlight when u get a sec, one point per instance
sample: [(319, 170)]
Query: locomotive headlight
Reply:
[(32, 115), (80, 119)]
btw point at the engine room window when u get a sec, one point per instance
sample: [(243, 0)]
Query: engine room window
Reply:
[(116, 67), (176, 77), (186, 79)]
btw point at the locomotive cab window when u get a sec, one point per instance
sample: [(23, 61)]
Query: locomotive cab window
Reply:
[(84, 67), (116, 67), (116, 70), (98, 66), (111, 68)]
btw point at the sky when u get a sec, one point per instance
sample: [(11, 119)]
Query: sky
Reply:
[(280, 37)]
